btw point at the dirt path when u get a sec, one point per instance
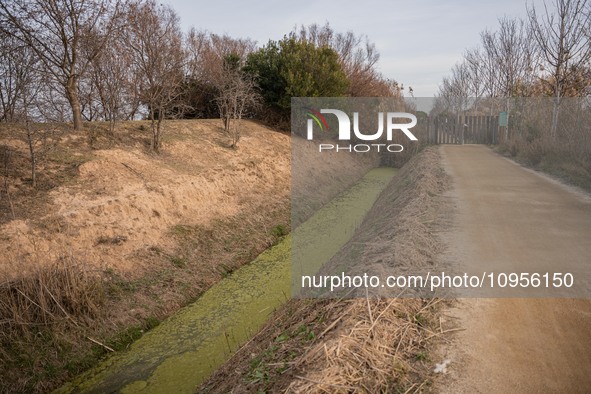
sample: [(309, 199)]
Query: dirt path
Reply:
[(509, 219)]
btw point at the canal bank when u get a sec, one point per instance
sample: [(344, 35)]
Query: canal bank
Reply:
[(187, 347)]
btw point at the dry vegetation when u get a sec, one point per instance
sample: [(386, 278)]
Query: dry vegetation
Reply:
[(364, 345), (538, 71), (399, 235), (115, 238), (567, 155)]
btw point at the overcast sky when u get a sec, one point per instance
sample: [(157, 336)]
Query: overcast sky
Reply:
[(419, 41)]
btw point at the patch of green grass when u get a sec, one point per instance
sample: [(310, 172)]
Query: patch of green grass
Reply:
[(125, 338), (282, 337), (179, 262), (279, 231), (259, 372), (259, 369), (421, 356), (306, 332)]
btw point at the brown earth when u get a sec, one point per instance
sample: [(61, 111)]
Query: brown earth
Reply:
[(510, 219), (146, 232), (126, 193)]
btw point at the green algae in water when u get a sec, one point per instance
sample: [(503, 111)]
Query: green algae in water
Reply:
[(187, 347), (325, 233)]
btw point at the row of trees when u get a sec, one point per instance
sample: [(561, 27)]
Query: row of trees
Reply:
[(538, 71), (546, 55), (111, 60)]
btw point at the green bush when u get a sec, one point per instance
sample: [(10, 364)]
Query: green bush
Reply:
[(296, 68)]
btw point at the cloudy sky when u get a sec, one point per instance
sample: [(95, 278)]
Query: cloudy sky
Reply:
[(419, 41)]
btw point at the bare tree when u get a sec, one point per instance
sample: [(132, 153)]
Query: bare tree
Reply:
[(488, 64), (475, 65), (196, 45), (112, 84), (358, 56), (562, 36), (236, 93), (516, 57), (10, 76), (154, 37), (455, 91), (27, 82), (507, 59), (207, 68), (57, 30), (208, 54)]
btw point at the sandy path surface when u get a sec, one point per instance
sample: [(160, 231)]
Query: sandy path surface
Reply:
[(510, 219)]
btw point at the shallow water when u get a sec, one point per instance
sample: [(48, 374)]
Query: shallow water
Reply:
[(186, 348)]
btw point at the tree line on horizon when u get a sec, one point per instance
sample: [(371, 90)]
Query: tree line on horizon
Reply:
[(112, 60), (536, 70), (547, 54)]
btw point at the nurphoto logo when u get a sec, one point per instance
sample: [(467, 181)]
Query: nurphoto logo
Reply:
[(344, 130)]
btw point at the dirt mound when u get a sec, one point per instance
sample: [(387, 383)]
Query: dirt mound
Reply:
[(399, 235), (125, 200)]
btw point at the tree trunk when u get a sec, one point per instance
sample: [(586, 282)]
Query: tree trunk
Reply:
[(74, 100), (555, 110), (33, 157), (153, 127), (157, 135)]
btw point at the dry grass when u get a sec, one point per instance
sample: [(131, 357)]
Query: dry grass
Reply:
[(39, 312), (385, 340), (48, 295), (338, 346), (399, 236), (565, 155), (382, 346), (568, 164), (144, 234)]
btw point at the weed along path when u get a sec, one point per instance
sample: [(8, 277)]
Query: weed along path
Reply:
[(511, 220), (186, 348)]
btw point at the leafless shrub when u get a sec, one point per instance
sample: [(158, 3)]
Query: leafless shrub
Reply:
[(236, 94), (157, 58)]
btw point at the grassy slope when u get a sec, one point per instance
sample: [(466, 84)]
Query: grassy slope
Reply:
[(145, 233)]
